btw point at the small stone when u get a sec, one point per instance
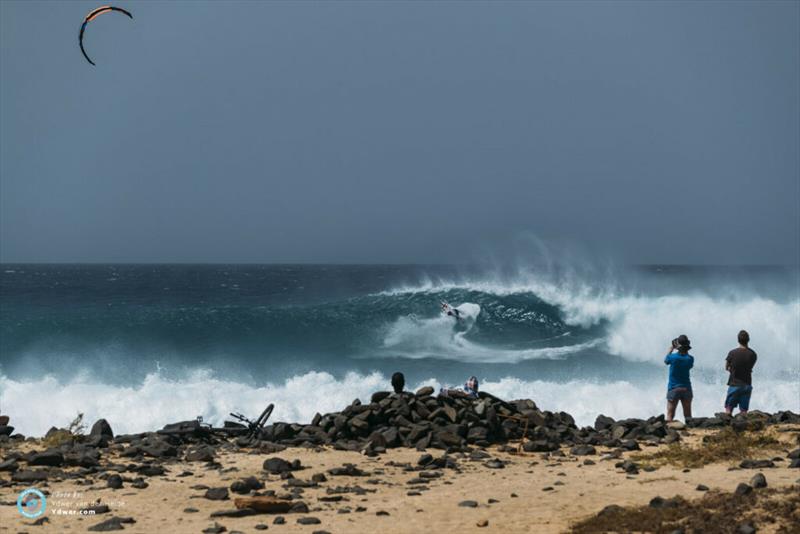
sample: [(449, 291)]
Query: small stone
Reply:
[(216, 494), (758, 481), (746, 528), (280, 520), (309, 521), (611, 509), (299, 508), (379, 512), (701, 487), (482, 523), (743, 489), (216, 529), (661, 502), (468, 504), (200, 454), (261, 526), (190, 510), (277, 466), (114, 482), (233, 512), (583, 450), (113, 523)]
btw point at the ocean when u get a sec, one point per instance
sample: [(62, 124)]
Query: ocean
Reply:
[(145, 345)]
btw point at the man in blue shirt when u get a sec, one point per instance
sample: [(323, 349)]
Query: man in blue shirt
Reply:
[(679, 387)]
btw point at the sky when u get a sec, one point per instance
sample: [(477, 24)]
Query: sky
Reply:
[(400, 132)]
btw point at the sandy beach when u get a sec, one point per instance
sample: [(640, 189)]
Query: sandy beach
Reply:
[(532, 492)]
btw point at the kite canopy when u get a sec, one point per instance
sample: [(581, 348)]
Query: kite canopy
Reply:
[(93, 15)]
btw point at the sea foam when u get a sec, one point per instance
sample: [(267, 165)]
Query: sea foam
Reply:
[(37, 405)]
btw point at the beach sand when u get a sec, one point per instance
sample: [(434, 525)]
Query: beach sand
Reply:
[(523, 502)]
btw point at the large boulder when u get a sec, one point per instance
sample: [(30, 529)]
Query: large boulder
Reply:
[(103, 429)]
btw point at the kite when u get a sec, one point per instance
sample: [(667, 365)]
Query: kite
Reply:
[(93, 15)]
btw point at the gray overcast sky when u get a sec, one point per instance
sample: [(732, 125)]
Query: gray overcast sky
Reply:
[(399, 132)]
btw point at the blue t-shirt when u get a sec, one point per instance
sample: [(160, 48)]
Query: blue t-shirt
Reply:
[(679, 365)]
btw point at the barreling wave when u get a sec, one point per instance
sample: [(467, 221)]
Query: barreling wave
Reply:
[(637, 326)]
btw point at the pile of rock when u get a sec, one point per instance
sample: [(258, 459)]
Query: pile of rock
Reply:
[(422, 420)]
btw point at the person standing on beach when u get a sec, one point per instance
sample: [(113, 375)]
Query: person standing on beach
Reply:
[(679, 387), (739, 364)]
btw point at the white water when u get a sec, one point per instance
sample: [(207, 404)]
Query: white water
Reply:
[(37, 405)]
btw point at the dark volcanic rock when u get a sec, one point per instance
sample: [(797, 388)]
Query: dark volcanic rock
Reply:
[(661, 502), (50, 457), (9, 465), (276, 465), (112, 523), (234, 512), (246, 485), (743, 489), (756, 464), (583, 450), (101, 429), (216, 494), (150, 470), (30, 476), (95, 509), (468, 504), (758, 481), (349, 470), (308, 521), (114, 482), (299, 508), (602, 422), (200, 454)]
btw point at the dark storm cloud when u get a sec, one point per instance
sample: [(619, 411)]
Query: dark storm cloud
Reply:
[(400, 132)]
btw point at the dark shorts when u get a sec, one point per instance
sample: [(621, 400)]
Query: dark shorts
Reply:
[(676, 394), (738, 396)]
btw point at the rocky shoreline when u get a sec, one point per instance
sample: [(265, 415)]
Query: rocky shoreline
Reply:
[(450, 437)]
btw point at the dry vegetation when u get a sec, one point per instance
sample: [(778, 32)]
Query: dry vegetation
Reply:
[(716, 512), (723, 446)]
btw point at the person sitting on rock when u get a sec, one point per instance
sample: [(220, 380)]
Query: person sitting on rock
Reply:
[(679, 387), (470, 390), (398, 382)]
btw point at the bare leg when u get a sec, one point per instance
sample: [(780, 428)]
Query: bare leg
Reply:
[(671, 406), (687, 408)]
